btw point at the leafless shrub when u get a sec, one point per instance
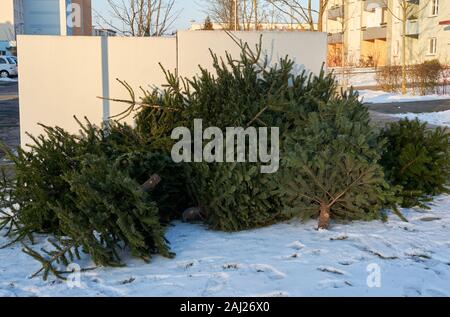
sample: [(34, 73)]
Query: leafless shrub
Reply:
[(425, 78), (445, 80), (389, 78)]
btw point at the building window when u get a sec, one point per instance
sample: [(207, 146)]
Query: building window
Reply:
[(434, 7), (432, 46)]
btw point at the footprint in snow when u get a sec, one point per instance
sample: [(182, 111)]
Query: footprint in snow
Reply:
[(341, 237), (412, 291), (418, 255), (216, 283), (435, 293), (231, 266), (316, 252), (296, 245), (5, 293), (324, 284), (186, 264), (270, 271), (292, 256), (346, 262), (377, 246), (157, 277), (272, 294), (329, 269), (127, 281)]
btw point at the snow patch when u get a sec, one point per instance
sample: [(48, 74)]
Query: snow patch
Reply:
[(413, 258), (378, 96), (441, 118), (271, 272), (332, 270), (296, 245)]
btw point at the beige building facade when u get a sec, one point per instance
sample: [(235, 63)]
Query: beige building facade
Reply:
[(369, 32)]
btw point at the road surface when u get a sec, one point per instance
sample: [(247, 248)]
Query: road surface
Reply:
[(9, 116)]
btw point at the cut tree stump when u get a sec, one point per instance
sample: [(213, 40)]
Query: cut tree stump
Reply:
[(151, 184)]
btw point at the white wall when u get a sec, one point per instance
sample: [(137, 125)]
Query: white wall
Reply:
[(307, 49), (63, 76)]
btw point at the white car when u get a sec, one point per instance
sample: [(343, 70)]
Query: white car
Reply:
[(8, 66)]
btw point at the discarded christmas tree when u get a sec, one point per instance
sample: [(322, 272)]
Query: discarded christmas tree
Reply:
[(329, 152), (416, 158), (331, 168), (235, 196), (92, 192)]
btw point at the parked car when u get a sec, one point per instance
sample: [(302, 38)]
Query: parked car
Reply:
[(8, 66)]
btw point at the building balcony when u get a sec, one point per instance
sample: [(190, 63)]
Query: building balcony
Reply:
[(374, 33), (371, 5), (412, 28), (335, 38), (336, 12)]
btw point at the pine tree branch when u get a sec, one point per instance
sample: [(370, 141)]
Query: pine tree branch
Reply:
[(347, 189), (259, 114)]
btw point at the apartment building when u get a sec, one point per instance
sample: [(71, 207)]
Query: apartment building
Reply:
[(43, 17), (369, 32)]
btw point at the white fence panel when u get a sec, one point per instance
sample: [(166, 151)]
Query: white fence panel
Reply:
[(307, 49), (60, 77)]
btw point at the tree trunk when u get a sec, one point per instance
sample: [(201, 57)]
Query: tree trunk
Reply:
[(255, 4), (320, 19), (151, 184), (324, 217), (310, 17), (343, 53), (404, 21)]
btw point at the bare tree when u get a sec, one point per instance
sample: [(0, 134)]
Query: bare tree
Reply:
[(323, 5), (237, 14), (223, 12), (407, 10), (303, 14), (250, 11), (141, 17)]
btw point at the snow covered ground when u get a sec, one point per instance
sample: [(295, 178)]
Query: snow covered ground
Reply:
[(289, 259), (441, 118), (359, 77), (375, 96)]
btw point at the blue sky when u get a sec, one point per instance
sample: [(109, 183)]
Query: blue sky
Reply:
[(189, 10)]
